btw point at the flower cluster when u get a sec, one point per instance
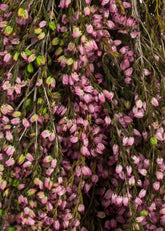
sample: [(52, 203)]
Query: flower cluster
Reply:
[(81, 118)]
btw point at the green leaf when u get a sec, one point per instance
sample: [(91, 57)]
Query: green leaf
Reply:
[(21, 159), (44, 111), (58, 51), (39, 101), (16, 55), (37, 31), (22, 13), (52, 26), (48, 80), (15, 183), (10, 229), (143, 213), (1, 211), (8, 30), (55, 41), (30, 68), (28, 52), (153, 140), (40, 60), (61, 42)]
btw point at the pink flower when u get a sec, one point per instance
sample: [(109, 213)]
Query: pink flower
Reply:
[(102, 98), (124, 49), (42, 24), (126, 4), (48, 183), (53, 163), (74, 139), (27, 164), (128, 80), (118, 168), (45, 134), (25, 123), (87, 11), (110, 24), (67, 2), (159, 161), (62, 4), (29, 157), (108, 95), (127, 119), (3, 7), (10, 162), (162, 221), (88, 2), (9, 136), (81, 208), (7, 58), (31, 58), (9, 150), (95, 178), (146, 72), (139, 114), (107, 225), (134, 34), (107, 120), (56, 225), (131, 180), (65, 79), (125, 140), (125, 201), (130, 22), (31, 221), (104, 2), (142, 193), (129, 71), (156, 57), (124, 64), (142, 171), (85, 151), (115, 149), (47, 159), (86, 171), (87, 98), (159, 175), (159, 136), (76, 32), (154, 102), (15, 121), (140, 219), (130, 141), (33, 118), (156, 185), (129, 170), (3, 184), (119, 200), (51, 137), (89, 29)]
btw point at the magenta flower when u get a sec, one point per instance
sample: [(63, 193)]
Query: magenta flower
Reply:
[(7, 58), (86, 171), (3, 7), (154, 102), (156, 185), (42, 24), (104, 2), (84, 150), (10, 162), (76, 32)]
